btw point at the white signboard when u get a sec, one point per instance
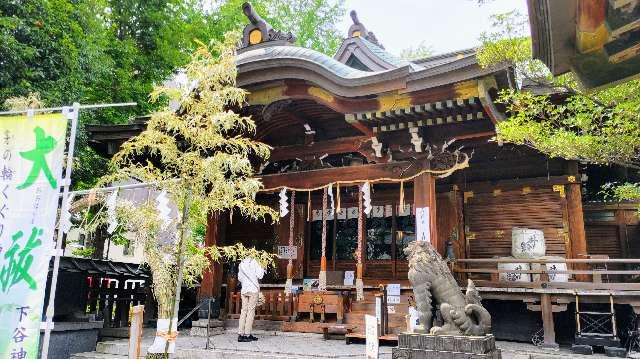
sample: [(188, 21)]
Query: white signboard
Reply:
[(31, 156), (414, 318), (391, 309), (393, 299), (349, 277), (288, 252), (379, 309), (393, 289), (423, 229), (371, 332)]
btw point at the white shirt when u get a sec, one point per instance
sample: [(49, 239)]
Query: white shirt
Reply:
[(249, 274)]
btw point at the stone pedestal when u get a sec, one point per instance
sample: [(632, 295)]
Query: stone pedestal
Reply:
[(427, 346), (199, 328)]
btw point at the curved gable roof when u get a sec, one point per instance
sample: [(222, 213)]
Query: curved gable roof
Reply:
[(371, 55)]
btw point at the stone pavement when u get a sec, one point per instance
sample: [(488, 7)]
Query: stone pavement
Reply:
[(274, 345)]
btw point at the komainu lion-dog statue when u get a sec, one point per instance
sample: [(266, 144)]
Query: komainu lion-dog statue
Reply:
[(432, 280)]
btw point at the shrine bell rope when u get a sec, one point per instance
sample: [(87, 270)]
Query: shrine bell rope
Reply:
[(292, 220), (439, 173)]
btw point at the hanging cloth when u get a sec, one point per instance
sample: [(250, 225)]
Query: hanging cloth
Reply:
[(283, 203), (359, 269)]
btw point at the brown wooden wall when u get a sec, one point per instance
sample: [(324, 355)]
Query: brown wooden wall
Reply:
[(490, 216), (612, 230)]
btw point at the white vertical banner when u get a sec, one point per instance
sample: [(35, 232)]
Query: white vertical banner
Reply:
[(423, 225), (31, 158), (371, 334)]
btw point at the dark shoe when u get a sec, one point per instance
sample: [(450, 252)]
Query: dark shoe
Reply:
[(252, 338), (243, 339)]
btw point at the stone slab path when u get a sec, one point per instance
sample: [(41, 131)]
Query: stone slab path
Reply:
[(274, 345)]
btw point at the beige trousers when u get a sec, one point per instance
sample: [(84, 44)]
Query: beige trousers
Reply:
[(249, 301)]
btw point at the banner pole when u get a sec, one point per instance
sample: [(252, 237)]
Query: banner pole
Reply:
[(80, 107), (58, 244)]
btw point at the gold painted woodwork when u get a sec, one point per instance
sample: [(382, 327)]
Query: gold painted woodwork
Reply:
[(571, 179), (266, 96), (466, 89), (500, 234), (591, 41), (356, 34), (564, 235), (497, 192), (560, 189), (392, 101), (320, 93), (255, 36), (484, 85), (467, 195), (526, 190)]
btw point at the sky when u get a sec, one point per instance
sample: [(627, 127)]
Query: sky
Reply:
[(445, 25)]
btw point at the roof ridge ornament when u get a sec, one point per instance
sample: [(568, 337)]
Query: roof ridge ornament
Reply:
[(359, 30), (258, 30)]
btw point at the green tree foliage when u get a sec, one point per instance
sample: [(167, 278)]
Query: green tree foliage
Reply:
[(600, 127), (106, 51), (201, 158)]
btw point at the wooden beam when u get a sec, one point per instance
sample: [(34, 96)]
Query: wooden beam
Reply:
[(341, 145), (424, 195), (475, 135), (362, 128), (547, 321), (318, 178), (575, 214)]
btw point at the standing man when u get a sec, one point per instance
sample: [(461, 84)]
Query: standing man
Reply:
[(249, 274)]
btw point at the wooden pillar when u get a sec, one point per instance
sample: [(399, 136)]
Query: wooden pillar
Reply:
[(548, 325), (211, 284), (577, 235), (424, 195)]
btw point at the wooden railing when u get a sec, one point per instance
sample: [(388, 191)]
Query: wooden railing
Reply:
[(581, 273), (278, 305)]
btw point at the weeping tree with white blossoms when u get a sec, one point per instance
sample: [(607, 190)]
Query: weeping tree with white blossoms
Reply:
[(200, 157)]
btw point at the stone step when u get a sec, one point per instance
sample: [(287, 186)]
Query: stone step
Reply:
[(114, 347), (196, 354), (96, 355)]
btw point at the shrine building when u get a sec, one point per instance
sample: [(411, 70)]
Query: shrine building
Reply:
[(371, 152)]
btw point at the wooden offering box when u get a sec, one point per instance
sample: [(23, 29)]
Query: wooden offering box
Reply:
[(321, 303)]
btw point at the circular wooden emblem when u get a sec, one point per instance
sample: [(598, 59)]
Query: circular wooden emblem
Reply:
[(255, 36), (318, 299)]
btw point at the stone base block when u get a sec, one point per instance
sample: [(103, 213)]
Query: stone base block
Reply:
[(582, 349), (427, 346), (615, 352), (199, 328)]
